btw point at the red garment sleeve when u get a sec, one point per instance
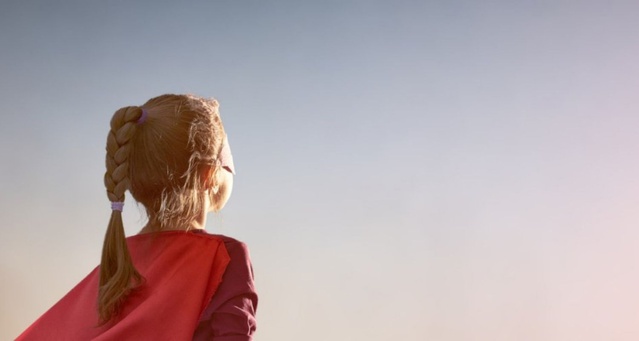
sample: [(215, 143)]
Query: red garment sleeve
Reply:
[(230, 316)]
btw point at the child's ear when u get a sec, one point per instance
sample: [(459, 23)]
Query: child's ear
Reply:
[(207, 173)]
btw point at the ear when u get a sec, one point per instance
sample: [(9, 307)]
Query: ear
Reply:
[(207, 173)]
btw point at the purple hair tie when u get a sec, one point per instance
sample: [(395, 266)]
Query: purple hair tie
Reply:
[(117, 205), (142, 117)]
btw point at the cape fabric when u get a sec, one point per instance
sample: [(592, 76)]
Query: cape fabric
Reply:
[(182, 271)]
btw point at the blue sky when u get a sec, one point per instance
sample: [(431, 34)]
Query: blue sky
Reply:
[(405, 170)]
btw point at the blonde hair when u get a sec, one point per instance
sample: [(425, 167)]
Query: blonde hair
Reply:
[(162, 161)]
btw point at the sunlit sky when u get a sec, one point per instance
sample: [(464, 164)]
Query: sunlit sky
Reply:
[(406, 170)]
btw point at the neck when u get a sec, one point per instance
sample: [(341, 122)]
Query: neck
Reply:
[(198, 223), (153, 225)]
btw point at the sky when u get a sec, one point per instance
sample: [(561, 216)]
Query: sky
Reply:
[(406, 170)]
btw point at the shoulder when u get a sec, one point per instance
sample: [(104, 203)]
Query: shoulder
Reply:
[(233, 246), (240, 264), (231, 311), (226, 239)]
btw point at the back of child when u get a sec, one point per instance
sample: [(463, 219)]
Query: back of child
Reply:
[(173, 280)]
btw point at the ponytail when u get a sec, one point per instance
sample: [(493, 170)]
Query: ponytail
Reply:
[(118, 276)]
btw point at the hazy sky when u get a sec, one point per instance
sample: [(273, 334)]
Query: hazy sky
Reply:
[(427, 170)]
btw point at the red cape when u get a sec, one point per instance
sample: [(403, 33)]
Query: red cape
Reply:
[(182, 272)]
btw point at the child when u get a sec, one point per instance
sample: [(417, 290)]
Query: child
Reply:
[(172, 281)]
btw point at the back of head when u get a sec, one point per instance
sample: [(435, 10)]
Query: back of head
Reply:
[(160, 152)]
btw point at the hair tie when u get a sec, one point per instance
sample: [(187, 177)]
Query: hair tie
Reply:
[(142, 117), (117, 205)]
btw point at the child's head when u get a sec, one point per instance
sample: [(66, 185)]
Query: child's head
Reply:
[(172, 155), (169, 159)]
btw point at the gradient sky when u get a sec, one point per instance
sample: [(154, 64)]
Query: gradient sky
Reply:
[(423, 170)]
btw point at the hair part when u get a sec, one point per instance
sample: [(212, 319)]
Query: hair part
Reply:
[(162, 162)]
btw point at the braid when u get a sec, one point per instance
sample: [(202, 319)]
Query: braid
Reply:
[(123, 126), (118, 276)]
